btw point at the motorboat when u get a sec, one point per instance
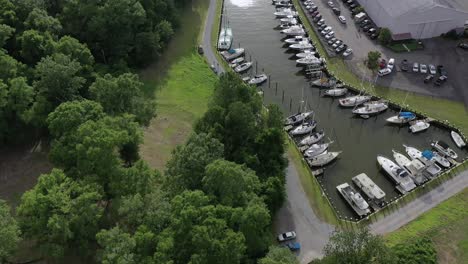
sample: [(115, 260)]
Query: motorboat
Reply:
[(414, 167), (457, 138), (304, 128), (323, 159), (243, 67), (232, 53), (297, 118), (400, 159), (225, 39), (336, 92), (354, 199), (236, 61), (441, 160), (283, 4), (287, 25), (305, 53), (369, 188), (402, 118), (324, 82), (305, 44), (316, 149), (310, 60), (312, 138), (425, 157), (288, 19), (400, 176), (371, 108), (246, 79), (258, 79), (419, 126), (296, 30), (295, 40), (444, 149), (354, 100), (285, 13)]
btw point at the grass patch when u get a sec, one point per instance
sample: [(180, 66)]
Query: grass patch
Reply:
[(410, 44), (442, 109), (312, 189)]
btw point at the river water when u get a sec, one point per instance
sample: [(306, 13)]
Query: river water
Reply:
[(255, 29)]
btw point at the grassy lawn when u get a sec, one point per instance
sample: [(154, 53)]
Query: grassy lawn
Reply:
[(441, 109), (410, 44), (182, 83), (445, 225)]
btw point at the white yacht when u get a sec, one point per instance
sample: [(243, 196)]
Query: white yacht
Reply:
[(371, 108), (369, 188), (232, 53), (243, 67), (426, 158), (305, 44), (316, 149), (444, 149), (305, 53), (402, 118), (312, 138), (296, 30), (400, 176), (310, 60), (419, 126), (296, 39), (354, 199), (304, 128), (336, 92), (258, 79), (297, 118), (286, 12), (236, 61), (323, 159), (288, 19), (225, 39), (324, 82), (457, 138), (354, 100)]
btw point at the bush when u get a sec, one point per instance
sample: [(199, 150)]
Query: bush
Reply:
[(421, 251), (385, 36), (373, 60)]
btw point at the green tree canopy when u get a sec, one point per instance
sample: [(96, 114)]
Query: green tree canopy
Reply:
[(421, 251), (39, 20), (117, 246), (6, 32), (35, 45), (279, 255), (373, 60), (385, 36), (9, 232)]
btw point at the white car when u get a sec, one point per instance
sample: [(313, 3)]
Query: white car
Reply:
[(337, 44), (384, 71), (347, 52), (415, 67), (326, 30), (432, 69), (342, 19), (330, 35), (331, 4), (423, 68), (286, 236), (391, 64)]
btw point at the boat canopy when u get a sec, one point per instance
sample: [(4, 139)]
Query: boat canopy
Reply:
[(428, 154), (407, 115), (232, 51)]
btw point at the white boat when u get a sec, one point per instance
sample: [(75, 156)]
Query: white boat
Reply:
[(324, 82), (294, 31), (444, 149), (285, 13), (310, 60), (457, 139), (400, 159), (441, 160), (400, 176), (232, 53), (323, 159), (225, 39), (369, 188), (371, 108), (312, 138), (419, 126), (414, 167), (243, 67), (354, 100), (297, 118), (336, 92), (304, 128), (288, 19), (258, 79), (354, 199), (236, 61), (305, 53), (296, 39), (305, 44), (425, 157), (402, 118), (283, 4), (246, 79), (316, 149)]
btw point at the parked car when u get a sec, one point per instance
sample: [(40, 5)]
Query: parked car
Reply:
[(441, 70), (371, 31), (337, 44), (293, 246), (349, 2), (423, 68), (321, 22), (326, 30), (364, 22), (391, 64), (314, 8), (384, 71), (404, 65), (415, 67), (463, 46), (330, 35), (331, 4), (314, 14), (342, 19), (383, 64), (200, 50), (352, 6), (322, 27), (286, 236), (347, 52), (428, 78), (341, 48), (336, 11), (440, 80), (366, 28), (317, 18), (432, 69), (331, 41)]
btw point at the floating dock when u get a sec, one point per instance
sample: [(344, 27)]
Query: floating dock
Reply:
[(369, 188)]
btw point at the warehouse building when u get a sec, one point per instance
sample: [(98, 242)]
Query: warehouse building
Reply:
[(418, 19)]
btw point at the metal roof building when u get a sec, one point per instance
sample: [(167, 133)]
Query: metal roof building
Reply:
[(418, 19)]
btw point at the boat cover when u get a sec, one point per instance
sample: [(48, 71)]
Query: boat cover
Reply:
[(428, 154), (407, 115), (232, 51)]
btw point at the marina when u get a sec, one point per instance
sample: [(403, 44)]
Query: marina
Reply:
[(357, 141)]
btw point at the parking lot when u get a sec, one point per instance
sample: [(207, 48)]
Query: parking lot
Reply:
[(437, 51)]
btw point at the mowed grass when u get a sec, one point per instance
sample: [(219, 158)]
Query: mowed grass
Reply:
[(446, 224), (181, 99), (442, 109)]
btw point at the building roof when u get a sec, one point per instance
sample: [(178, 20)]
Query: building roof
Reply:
[(461, 5), (396, 8)]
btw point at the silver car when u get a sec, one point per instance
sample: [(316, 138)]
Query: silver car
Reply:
[(432, 69), (286, 236)]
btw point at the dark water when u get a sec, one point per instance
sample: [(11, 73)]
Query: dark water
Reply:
[(255, 29)]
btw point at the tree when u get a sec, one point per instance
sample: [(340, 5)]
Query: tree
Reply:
[(359, 9), (5, 33), (373, 60), (231, 184), (9, 232), (35, 45), (78, 52), (416, 252), (356, 247), (186, 168), (123, 94), (9, 67), (39, 20), (60, 213), (385, 36), (117, 246), (279, 255)]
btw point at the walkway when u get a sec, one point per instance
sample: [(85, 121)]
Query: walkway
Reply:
[(208, 51)]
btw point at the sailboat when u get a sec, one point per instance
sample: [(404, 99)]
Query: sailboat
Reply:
[(225, 37), (312, 138), (402, 118)]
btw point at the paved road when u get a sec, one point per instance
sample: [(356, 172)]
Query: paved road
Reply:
[(209, 54)]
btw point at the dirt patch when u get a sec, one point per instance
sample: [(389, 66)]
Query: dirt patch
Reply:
[(20, 166)]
